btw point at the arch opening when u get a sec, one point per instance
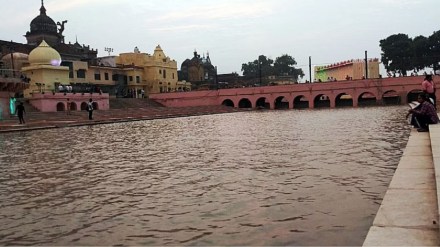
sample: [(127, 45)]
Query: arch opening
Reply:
[(322, 101), (262, 104), (367, 99), (83, 106), (412, 95), (245, 103), (391, 98), (73, 106), (228, 102), (344, 100), (281, 103), (61, 106), (300, 102), (95, 106)]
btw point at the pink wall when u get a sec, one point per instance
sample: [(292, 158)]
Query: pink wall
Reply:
[(400, 86), (50, 102)]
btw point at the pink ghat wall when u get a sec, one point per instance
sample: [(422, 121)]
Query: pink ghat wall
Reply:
[(50, 102), (399, 86)]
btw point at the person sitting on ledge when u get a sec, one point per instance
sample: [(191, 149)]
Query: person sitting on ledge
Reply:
[(425, 114)]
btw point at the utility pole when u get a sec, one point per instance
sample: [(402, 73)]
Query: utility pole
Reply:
[(366, 65), (310, 69), (259, 70)]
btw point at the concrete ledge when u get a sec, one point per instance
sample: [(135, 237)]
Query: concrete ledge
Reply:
[(434, 133), (409, 215), (397, 236)]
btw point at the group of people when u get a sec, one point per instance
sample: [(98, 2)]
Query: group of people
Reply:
[(425, 113)]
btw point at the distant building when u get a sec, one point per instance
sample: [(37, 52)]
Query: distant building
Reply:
[(199, 71), (351, 69), (43, 27), (126, 75)]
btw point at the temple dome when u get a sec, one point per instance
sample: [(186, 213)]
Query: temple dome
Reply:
[(44, 55), (43, 23)]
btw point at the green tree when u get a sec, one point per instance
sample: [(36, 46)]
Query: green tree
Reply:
[(420, 48), (434, 50), (397, 53), (261, 67), (285, 65)]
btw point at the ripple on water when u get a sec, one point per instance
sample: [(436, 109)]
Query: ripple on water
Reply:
[(253, 178)]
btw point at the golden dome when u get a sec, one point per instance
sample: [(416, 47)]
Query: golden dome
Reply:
[(44, 55)]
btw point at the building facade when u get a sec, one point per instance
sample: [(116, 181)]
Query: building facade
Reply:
[(347, 70)]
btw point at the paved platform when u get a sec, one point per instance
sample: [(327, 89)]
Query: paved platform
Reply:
[(409, 213)]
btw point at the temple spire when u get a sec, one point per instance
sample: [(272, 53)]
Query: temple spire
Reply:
[(42, 9)]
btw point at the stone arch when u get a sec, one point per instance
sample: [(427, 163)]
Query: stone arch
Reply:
[(281, 102), (95, 106), (321, 101), (367, 99), (73, 106), (262, 103), (413, 94), (83, 106), (301, 102), (228, 102), (61, 106), (244, 103), (343, 100), (391, 97)]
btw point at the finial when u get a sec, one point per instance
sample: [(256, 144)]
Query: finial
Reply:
[(42, 9)]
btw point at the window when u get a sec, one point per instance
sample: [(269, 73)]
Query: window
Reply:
[(130, 78), (138, 79), (115, 77), (164, 74), (97, 76), (81, 73), (106, 76), (160, 72), (173, 75)]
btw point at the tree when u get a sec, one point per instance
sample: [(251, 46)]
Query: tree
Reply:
[(284, 65), (260, 68), (397, 53), (264, 67), (434, 50), (420, 48)]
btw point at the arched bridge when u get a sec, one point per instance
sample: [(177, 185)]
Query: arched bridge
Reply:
[(354, 93)]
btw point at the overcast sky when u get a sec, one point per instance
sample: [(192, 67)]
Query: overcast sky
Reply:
[(233, 31)]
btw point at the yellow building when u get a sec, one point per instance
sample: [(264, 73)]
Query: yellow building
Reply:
[(352, 69), (155, 73), (44, 70), (128, 74)]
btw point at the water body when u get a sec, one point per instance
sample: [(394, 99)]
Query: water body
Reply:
[(312, 177)]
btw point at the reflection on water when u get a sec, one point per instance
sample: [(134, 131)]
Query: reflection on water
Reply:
[(254, 178)]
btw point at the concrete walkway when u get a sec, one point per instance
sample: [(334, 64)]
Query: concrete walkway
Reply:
[(409, 213)]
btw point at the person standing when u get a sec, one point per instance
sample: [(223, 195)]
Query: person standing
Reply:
[(428, 88), (90, 109), (20, 112)]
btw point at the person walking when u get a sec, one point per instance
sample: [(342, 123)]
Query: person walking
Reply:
[(90, 109), (20, 112), (428, 88)]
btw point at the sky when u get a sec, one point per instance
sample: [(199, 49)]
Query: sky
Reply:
[(232, 31)]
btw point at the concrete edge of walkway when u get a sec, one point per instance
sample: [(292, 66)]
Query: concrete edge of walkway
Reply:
[(409, 213), (434, 134)]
